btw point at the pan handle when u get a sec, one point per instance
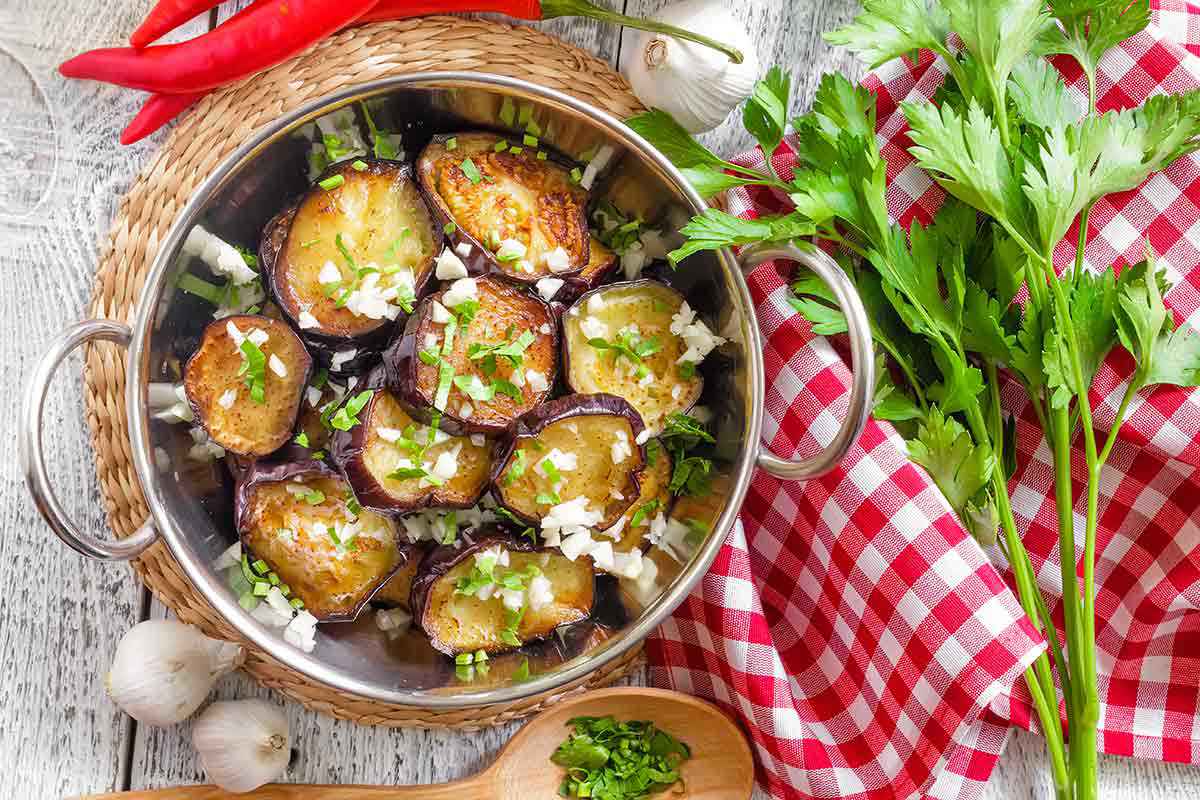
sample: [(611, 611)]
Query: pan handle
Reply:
[(861, 350), (33, 462)]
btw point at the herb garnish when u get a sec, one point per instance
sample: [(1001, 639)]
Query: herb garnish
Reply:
[(253, 370), (346, 417), (691, 474), (612, 760), (630, 345)]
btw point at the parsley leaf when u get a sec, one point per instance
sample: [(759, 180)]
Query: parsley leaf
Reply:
[(765, 114), (888, 29)]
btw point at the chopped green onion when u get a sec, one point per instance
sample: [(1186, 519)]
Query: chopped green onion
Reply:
[(452, 143), (261, 589), (297, 602), (332, 182), (358, 164), (471, 171), (530, 140), (449, 228), (201, 288), (450, 526), (541, 155), (576, 175), (500, 146), (260, 567), (301, 439), (507, 112), (464, 658)]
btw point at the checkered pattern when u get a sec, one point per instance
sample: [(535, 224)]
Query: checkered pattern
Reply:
[(868, 644)]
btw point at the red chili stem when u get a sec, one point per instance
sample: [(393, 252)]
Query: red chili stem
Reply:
[(266, 33), (166, 16), (157, 111), (387, 10)]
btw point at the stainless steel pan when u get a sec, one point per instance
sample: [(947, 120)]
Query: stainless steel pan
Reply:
[(248, 187)]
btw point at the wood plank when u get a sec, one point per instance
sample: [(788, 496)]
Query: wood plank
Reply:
[(788, 34), (59, 733)]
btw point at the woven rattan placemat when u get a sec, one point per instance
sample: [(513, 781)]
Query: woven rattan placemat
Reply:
[(201, 140)]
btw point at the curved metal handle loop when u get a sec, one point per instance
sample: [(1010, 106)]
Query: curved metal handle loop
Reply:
[(861, 350), (33, 462)]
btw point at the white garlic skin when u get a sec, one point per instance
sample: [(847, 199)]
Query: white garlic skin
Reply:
[(163, 670), (697, 85), (242, 744)]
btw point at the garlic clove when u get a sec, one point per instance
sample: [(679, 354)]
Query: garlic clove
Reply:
[(697, 85), (163, 670), (242, 744)]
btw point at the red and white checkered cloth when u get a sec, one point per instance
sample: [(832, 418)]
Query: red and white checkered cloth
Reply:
[(865, 640)]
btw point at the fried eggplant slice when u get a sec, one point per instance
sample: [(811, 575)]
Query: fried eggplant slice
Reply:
[(397, 592), (301, 519), (395, 463), (602, 263), (578, 446), (520, 215), (245, 383), (493, 593), (619, 339), (354, 254), (654, 498), (499, 363)]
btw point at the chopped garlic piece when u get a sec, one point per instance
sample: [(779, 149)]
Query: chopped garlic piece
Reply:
[(449, 266), (548, 287), (227, 399), (277, 366), (306, 320)]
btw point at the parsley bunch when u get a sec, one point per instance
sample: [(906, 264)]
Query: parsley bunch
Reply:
[(1022, 161), (610, 760)]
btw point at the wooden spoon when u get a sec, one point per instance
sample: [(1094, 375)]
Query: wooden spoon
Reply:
[(721, 767)]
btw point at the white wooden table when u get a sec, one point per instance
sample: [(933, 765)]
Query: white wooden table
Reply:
[(61, 175)]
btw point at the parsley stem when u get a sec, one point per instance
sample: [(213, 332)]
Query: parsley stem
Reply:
[(1060, 431), (1133, 388), (1037, 675)]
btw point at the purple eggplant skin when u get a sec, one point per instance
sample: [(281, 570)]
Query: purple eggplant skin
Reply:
[(403, 365), (347, 450), (260, 473), (271, 244), (480, 261), (443, 558), (531, 424)]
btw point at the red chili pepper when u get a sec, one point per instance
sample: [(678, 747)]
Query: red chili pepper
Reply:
[(538, 9), (263, 35), (157, 111), (166, 16)]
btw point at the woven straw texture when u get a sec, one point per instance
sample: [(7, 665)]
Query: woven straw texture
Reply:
[(202, 139)]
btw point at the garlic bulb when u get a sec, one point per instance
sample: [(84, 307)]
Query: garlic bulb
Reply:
[(164, 669), (697, 85), (242, 743)]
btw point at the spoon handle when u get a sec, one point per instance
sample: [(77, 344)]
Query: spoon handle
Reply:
[(478, 787)]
